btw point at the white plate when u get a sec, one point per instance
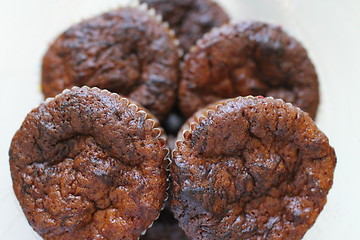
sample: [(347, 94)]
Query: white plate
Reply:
[(330, 30)]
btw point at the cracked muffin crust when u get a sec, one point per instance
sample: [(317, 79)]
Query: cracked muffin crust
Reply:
[(190, 19), (127, 51), (89, 165), (248, 58), (250, 168)]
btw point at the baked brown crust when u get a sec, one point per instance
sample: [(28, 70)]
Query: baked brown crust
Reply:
[(127, 51), (248, 58), (250, 168), (190, 19), (89, 165)]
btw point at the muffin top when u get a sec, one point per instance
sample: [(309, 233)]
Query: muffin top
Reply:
[(126, 51), (250, 168), (89, 165), (190, 19), (248, 58)]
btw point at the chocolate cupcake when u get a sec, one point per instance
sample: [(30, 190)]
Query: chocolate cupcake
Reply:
[(190, 19), (250, 168), (128, 51), (248, 58), (89, 164)]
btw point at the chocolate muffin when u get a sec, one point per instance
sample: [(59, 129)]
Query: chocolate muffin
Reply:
[(250, 168), (190, 19), (89, 165), (248, 58), (127, 51)]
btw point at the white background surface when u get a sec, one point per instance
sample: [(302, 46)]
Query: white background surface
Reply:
[(329, 29)]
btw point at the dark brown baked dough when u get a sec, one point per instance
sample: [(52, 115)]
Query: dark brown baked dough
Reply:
[(89, 165), (190, 19), (248, 58), (250, 168), (127, 51)]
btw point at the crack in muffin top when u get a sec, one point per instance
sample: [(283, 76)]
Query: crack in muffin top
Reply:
[(89, 165), (250, 168)]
